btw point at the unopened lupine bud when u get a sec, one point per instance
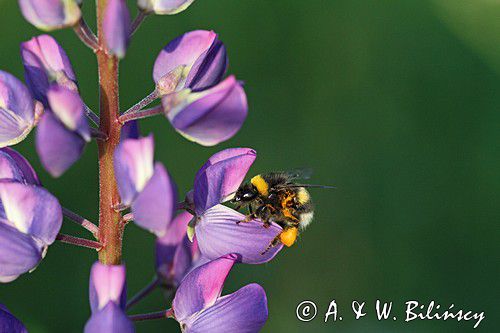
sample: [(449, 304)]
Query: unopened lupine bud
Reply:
[(17, 110), (116, 27), (45, 63), (51, 14), (164, 7), (63, 131)]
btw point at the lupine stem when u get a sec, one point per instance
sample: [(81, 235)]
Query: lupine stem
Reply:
[(81, 221), (143, 103), (110, 230), (86, 35), (137, 21), (77, 241), (153, 315), (141, 114), (143, 293)]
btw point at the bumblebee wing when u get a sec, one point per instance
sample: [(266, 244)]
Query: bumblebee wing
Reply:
[(302, 173), (305, 185), (314, 185)]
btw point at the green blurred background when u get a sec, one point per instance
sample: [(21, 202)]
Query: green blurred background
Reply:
[(395, 102)]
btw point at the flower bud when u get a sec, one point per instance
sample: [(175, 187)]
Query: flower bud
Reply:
[(116, 27), (164, 7), (45, 62), (17, 110), (51, 14)]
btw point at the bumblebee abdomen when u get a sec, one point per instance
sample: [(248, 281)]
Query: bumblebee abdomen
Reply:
[(306, 219)]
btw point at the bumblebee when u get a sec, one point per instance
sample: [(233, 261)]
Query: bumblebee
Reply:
[(276, 197)]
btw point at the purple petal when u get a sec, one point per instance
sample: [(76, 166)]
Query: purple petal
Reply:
[(166, 246), (133, 166), (218, 234), (164, 7), (130, 130), (57, 147), (32, 210), (209, 68), (211, 116), (116, 27), (44, 62), (19, 253), (15, 167), (69, 108), (182, 51), (50, 14), (221, 176), (107, 284), (201, 287), (17, 110), (111, 319), (182, 261), (9, 323), (244, 311), (156, 204)]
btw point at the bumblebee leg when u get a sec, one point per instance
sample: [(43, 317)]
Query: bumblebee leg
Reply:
[(273, 243), (247, 219)]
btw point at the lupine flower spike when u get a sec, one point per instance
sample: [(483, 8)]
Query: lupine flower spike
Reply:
[(198, 240)]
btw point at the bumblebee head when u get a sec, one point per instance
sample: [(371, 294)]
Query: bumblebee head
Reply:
[(245, 193)]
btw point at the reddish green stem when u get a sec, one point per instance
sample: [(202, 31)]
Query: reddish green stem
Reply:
[(110, 230)]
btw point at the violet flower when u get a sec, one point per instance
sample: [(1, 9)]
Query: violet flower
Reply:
[(30, 217), (45, 62), (63, 130), (175, 254), (51, 14), (17, 110), (201, 107), (216, 225), (9, 323), (145, 186), (164, 7), (107, 294), (14, 167), (199, 307), (116, 27)]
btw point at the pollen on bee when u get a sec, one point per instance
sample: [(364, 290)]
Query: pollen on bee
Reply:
[(303, 196), (288, 236), (261, 185)]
